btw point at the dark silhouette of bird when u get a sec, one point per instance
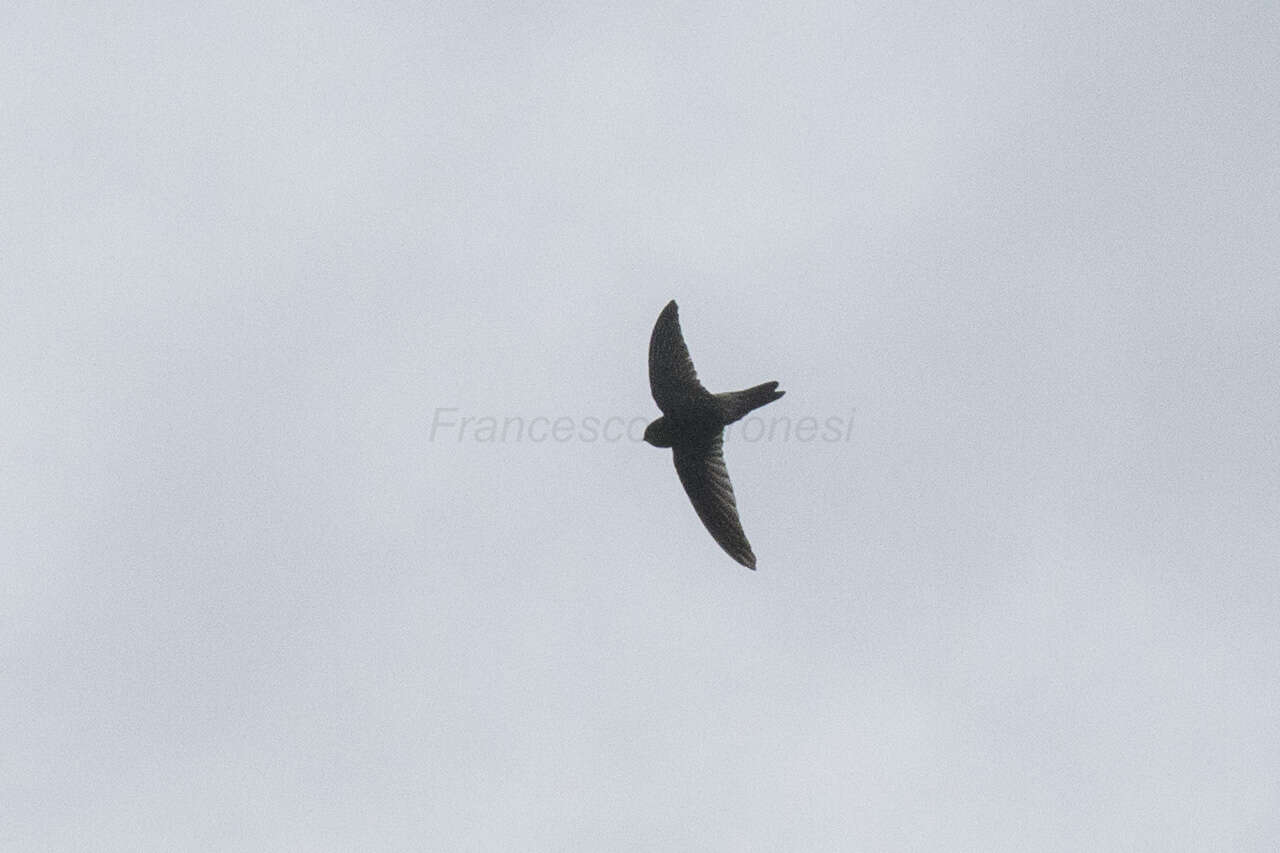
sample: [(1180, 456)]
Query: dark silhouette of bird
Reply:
[(692, 425)]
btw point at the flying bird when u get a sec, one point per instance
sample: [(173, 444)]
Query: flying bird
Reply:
[(692, 425)]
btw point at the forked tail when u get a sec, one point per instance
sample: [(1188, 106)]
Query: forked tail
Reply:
[(735, 404)]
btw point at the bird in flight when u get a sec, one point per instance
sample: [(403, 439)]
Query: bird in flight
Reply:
[(692, 425)]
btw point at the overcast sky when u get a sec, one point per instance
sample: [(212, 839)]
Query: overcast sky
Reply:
[(252, 599)]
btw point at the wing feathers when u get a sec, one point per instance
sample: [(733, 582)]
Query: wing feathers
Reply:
[(706, 480), (672, 378)]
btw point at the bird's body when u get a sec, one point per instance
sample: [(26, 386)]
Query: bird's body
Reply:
[(692, 425)]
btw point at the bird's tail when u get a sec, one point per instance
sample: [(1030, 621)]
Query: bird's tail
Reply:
[(735, 404)]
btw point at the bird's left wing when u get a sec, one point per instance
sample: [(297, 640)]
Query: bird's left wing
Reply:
[(672, 379)]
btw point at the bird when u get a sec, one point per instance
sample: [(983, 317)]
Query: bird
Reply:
[(692, 425)]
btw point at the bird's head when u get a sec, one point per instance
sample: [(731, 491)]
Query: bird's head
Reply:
[(658, 433)]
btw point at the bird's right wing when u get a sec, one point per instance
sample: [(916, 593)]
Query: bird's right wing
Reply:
[(706, 480), (672, 378)]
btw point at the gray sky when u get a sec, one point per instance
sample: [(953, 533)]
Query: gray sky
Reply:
[(1028, 601)]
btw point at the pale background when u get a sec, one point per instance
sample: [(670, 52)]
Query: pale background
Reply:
[(247, 251)]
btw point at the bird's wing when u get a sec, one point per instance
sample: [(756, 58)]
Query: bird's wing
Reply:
[(672, 378), (706, 481)]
